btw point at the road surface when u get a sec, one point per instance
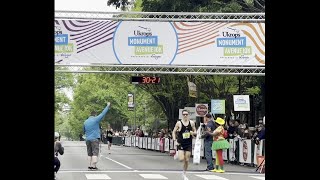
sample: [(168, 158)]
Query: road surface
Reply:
[(131, 163)]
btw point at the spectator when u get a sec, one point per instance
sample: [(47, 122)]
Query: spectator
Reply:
[(93, 134), (261, 134), (58, 149), (209, 127), (231, 129), (246, 132)]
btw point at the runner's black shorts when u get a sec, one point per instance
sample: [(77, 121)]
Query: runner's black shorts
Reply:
[(185, 147)]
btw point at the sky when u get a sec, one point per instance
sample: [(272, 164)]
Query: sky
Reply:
[(84, 5)]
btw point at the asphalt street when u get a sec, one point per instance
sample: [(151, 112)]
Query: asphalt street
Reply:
[(132, 163)]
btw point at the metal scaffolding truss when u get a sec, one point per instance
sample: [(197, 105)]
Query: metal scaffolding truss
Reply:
[(162, 16), (165, 69)]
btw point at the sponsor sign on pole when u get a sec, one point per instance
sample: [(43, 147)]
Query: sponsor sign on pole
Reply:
[(201, 109), (241, 102), (218, 106)]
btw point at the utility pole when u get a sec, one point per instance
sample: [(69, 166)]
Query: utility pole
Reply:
[(135, 105), (145, 106)]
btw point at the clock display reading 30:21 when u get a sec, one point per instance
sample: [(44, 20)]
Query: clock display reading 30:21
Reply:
[(145, 80)]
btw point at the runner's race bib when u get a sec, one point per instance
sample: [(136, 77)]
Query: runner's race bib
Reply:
[(186, 135)]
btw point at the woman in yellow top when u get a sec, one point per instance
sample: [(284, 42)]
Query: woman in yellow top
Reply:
[(219, 143)]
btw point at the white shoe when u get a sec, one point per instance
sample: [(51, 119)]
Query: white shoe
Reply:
[(184, 177)]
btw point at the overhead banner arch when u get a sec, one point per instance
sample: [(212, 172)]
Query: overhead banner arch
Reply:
[(160, 43), (187, 43)]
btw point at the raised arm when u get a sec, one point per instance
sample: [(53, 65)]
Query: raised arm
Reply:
[(103, 113)]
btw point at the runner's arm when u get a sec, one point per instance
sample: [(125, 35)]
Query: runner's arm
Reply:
[(175, 129), (194, 130)]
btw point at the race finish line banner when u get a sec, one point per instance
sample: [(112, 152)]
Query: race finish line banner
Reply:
[(163, 43)]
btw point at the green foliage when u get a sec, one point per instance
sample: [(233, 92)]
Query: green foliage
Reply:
[(62, 81), (137, 6), (122, 4), (93, 91), (153, 101), (232, 6)]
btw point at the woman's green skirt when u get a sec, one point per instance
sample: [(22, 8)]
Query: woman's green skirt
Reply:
[(220, 144)]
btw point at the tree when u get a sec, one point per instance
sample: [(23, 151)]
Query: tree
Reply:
[(171, 94), (232, 6), (122, 4), (93, 91), (62, 81)]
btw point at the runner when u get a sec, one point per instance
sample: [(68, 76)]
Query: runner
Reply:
[(185, 129), (109, 137)]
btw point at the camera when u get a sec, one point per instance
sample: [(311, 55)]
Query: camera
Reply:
[(257, 142)]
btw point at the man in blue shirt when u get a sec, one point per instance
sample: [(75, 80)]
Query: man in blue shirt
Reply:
[(92, 130), (208, 139)]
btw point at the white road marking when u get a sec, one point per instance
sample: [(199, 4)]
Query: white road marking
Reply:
[(211, 177), (150, 171), (152, 176), (97, 176), (258, 177), (118, 163)]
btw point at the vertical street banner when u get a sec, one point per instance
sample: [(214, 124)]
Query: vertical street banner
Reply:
[(257, 151), (225, 154), (245, 151), (232, 150), (130, 102), (149, 143), (166, 145), (192, 89)]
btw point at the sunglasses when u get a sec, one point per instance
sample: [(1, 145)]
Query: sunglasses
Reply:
[(185, 114)]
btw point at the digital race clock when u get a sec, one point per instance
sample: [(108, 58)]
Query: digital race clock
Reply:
[(145, 80)]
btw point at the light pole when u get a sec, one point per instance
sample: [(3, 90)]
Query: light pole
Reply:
[(145, 106), (135, 105)]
